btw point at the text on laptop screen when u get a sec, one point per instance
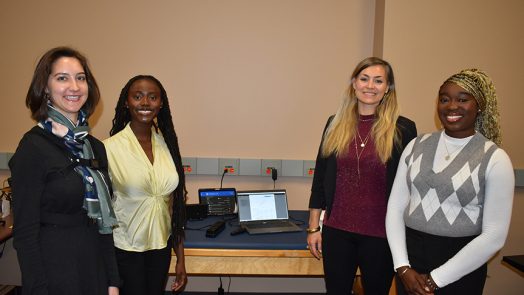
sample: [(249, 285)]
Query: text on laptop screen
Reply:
[(262, 205), (219, 201), (206, 193)]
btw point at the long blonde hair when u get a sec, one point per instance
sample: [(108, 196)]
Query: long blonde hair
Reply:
[(343, 127)]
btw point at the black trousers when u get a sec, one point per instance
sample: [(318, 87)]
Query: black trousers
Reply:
[(427, 252), (343, 252), (143, 272)]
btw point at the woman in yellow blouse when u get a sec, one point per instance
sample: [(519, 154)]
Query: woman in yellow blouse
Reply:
[(149, 188)]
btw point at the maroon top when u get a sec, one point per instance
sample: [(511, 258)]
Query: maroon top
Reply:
[(360, 201)]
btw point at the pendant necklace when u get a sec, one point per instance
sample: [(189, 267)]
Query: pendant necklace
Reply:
[(365, 141), (449, 155), (362, 142), (358, 157), (363, 146)]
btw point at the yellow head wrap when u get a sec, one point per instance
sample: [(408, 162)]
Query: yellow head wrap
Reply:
[(478, 84)]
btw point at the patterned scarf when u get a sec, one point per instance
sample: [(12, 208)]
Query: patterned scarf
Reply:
[(97, 195), (480, 85)]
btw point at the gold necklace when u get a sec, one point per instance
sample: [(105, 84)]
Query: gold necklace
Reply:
[(363, 145), (358, 158), (448, 156), (365, 141)]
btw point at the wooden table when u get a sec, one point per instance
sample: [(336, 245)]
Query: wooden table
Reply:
[(283, 254), (246, 255), (243, 262)]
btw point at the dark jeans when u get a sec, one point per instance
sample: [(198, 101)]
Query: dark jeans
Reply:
[(143, 272), (427, 252), (343, 252)]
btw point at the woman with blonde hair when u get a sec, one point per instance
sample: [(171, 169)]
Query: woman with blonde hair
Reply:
[(355, 168)]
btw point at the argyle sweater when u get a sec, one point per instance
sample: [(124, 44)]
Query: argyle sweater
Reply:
[(469, 194), (448, 203)]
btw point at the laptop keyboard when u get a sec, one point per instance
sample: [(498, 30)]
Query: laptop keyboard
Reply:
[(269, 224)]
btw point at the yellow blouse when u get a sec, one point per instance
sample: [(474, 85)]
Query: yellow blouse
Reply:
[(142, 191)]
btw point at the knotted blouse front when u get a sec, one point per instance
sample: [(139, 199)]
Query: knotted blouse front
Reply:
[(142, 191)]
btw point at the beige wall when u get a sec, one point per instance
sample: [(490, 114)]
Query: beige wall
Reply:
[(427, 41), (263, 76), (246, 79)]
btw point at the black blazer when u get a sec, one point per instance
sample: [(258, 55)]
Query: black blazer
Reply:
[(324, 179)]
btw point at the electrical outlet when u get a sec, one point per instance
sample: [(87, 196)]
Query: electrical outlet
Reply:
[(309, 168), (230, 164), (189, 165), (269, 165)]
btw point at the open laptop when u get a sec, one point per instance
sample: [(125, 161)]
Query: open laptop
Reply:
[(219, 201), (264, 211)]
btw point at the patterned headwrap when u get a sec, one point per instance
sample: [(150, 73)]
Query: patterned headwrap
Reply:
[(478, 84)]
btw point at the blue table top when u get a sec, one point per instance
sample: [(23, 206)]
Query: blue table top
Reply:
[(196, 235)]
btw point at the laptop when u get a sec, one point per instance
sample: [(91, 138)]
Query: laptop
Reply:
[(219, 201), (264, 211)]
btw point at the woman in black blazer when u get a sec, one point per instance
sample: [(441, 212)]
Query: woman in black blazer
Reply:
[(355, 168)]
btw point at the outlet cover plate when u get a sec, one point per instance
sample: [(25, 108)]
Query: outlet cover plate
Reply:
[(268, 165), (309, 168), (230, 164), (189, 165)]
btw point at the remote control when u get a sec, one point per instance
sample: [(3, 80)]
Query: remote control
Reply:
[(215, 229)]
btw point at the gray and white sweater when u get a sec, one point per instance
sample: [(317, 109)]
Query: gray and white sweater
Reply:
[(471, 193)]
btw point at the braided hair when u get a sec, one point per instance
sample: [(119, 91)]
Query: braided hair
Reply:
[(164, 122), (480, 85)]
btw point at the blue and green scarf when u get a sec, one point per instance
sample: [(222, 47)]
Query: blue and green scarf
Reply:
[(97, 196)]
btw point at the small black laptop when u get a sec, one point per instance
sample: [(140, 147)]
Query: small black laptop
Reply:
[(219, 201), (264, 211)]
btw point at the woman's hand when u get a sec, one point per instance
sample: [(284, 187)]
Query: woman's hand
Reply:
[(113, 291), (430, 283), (415, 283), (181, 278), (314, 237), (314, 243)]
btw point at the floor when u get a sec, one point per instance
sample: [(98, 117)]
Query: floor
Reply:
[(12, 290), (212, 293)]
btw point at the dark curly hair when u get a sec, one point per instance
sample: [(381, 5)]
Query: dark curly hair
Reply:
[(164, 122)]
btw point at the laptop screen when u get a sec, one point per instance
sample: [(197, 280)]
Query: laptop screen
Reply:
[(262, 205), (219, 201)]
